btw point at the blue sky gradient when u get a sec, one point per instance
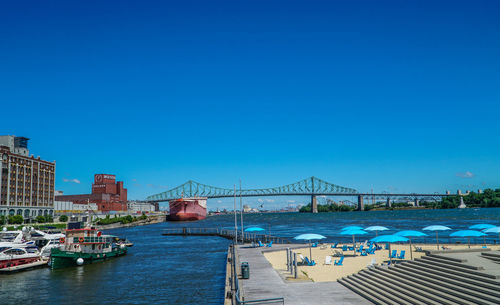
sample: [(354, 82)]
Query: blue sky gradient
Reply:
[(391, 95)]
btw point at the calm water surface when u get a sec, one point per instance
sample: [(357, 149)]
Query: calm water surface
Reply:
[(191, 270)]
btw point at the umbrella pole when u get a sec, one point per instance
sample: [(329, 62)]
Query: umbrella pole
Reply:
[(437, 240), (411, 251), (468, 241), (354, 244), (310, 251), (390, 258)]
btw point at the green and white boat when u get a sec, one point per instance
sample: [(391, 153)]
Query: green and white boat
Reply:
[(85, 246)]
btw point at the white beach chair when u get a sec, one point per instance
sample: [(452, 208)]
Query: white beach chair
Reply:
[(372, 263), (328, 260), (303, 260)]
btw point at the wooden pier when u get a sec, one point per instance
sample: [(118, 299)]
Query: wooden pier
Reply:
[(247, 237)]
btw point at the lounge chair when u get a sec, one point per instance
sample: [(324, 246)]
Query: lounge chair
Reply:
[(314, 245), (418, 249), (360, 249), (372, 263), (335, 245), (270, 244), (402, 254), (363, 253), (387, 246), (337, 253), (328, 260), (309, 262), (344, 248), (394, 254), (338, 262), (261, 244), (303, 260), (350, 248)]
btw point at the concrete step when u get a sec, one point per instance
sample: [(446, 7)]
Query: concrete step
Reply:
[(492, 258), (467, 273), (472, 295), (453, 259), (455, 268), (492, 254), (386, 291), (402, 291), (424, 290), (440, 274), (450, 262), (365, 292), (445, 281)]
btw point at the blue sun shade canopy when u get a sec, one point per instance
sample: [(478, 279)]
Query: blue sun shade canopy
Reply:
[(352, 228), (376, 228), (353, 232), (436, 228), (481, 226), (254, 229), (389, 239), (467, 233), (492, 230), (410, 233), (309, 236)]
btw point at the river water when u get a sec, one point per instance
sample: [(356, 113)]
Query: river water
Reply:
[(191, 270)]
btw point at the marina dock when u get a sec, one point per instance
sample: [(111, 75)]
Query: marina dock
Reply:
[(247, 237)]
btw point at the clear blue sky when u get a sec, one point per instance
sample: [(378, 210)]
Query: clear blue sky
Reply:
[(390, 95)]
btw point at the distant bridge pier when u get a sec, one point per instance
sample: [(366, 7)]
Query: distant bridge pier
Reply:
[(314, 204), (417, 202), (361, 206), (388, 203)]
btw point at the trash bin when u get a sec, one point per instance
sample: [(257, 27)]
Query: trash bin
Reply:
[(245, 271)]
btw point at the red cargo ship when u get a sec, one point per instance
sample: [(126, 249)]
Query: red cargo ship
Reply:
[(184, 209)]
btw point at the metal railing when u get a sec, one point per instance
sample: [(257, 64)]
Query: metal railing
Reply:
[(237, 291), (227, 233)]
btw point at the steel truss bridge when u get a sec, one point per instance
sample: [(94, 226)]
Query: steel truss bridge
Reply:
[(308, 187)]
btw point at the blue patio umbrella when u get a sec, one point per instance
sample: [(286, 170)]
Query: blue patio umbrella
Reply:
[(352, 228), (493, 230), (481, 226), (468, 234), (254, 229), (436, 228), (410, 233), (376, 229), (309, 237), (353, 232), (389, 239)]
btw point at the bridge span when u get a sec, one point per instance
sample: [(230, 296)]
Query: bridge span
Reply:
[(308, 187)]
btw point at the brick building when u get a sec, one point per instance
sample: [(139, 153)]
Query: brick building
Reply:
[(108, 194), (26, 182)]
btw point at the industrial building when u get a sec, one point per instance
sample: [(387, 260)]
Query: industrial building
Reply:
[(107, 194), (26, 183)]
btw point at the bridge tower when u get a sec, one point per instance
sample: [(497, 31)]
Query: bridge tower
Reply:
[(388, 203), (361, 205), (314, 204)]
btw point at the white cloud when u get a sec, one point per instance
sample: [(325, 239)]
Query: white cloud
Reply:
[(291, 201), (260, 200), (269, 200), (72, 180), (219, 201), (467, 174)]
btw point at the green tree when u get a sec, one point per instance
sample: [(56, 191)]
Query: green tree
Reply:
[(63, 218), (2, 220), (40, 219), (15, 219)]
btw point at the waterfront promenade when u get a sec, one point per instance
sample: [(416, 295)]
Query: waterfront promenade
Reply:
[(266, 282)]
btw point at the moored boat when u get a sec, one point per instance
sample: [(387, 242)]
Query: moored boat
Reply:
[(84, 246), (186, 209), (18, 258)]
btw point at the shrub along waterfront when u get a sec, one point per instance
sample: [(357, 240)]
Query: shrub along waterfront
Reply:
[(125, 219)]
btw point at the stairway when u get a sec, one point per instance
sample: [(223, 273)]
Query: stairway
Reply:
[(493, 256), (431, 279)]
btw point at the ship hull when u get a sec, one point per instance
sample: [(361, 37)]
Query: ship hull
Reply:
[(186, 217), (61, 259), (188, 209)]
